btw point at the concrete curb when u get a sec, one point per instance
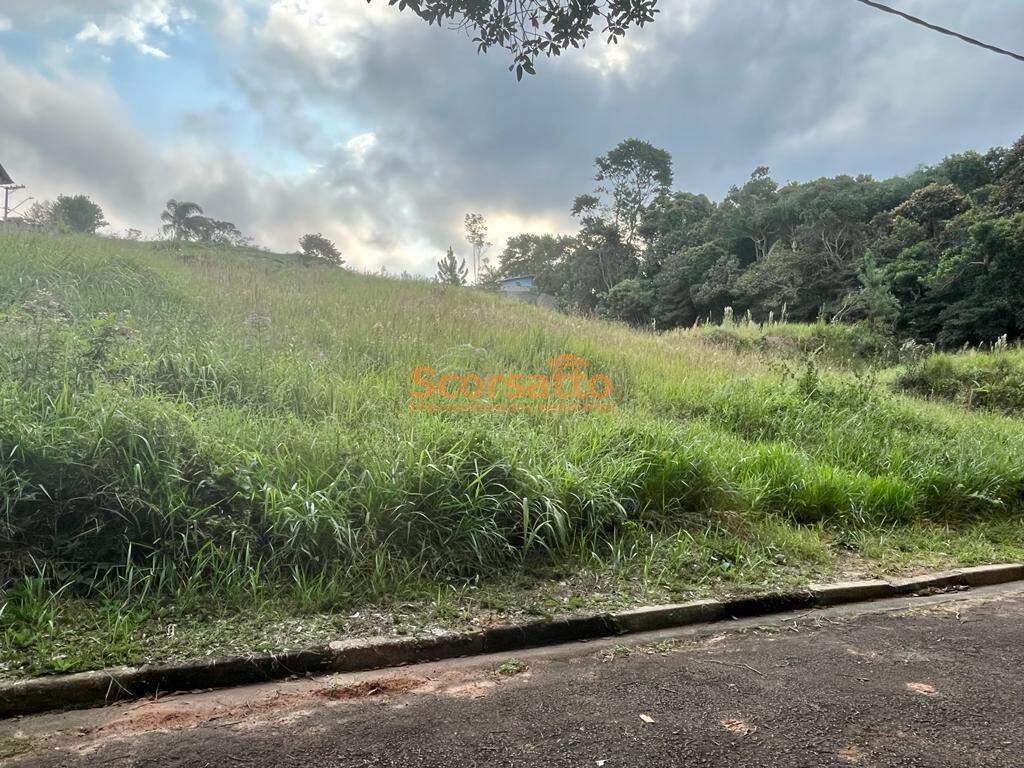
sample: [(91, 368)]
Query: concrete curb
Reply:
[(105, 686), (852, 592)]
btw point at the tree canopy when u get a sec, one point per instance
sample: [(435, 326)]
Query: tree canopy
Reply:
[(317, 249), (184, 220), (70, 213), (936, 255)]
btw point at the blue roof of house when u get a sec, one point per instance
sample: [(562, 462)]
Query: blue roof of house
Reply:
[(513, 279)]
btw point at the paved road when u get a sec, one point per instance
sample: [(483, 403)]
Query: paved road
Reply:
[(933, 682)]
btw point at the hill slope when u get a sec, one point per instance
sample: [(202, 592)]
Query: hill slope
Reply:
[(185, 428)]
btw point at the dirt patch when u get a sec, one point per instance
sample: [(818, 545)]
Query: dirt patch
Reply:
[(156, 716), (738, 725), (471, 690), (380, 687), (182, 713), (850, 754)]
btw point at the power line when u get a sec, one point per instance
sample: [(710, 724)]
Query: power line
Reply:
[(942, 30)]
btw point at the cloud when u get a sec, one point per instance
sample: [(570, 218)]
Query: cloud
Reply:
[(324, 36), (233, 20), (5, 24), (132, 177), (682, 18), (135, 27)]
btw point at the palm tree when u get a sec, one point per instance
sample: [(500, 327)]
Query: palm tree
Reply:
[(183, 220)]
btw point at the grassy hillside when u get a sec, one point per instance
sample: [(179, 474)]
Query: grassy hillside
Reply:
[(192, 437)]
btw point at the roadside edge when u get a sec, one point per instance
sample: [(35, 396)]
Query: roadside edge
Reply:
[(84, 689)]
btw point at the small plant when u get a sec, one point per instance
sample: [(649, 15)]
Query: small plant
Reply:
[(512, 667), (30, 608), (450, 271), (617, 652)]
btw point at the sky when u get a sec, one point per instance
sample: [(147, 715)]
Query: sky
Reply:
[(359, 121)]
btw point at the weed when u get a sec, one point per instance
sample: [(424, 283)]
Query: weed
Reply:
[(512, 667)]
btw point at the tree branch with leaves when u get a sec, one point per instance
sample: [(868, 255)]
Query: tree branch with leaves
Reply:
[(528, 29)]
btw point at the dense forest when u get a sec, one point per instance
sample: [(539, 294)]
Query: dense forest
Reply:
[(936, 255)]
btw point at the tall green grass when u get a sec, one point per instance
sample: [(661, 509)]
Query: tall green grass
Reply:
[(228, 426), (992, 380), (851, 345)]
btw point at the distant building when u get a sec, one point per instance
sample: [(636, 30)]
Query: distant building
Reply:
[(7, 185), (511, 286), (524, 288)]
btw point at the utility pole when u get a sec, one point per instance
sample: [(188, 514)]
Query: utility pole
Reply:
[(7, 198)]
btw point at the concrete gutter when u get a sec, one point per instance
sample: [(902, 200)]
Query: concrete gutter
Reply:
[(105, 686)]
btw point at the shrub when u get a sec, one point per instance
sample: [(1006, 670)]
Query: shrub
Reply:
[(990, 380)]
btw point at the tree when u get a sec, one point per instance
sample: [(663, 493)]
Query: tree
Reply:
[(681, 274), (874, 300), (673, 222), (77, 214), (932, 206), (779, 279), (716, 291), (489, 277), (937, 254), (749, 212), (527, 29), (597, 260), (1009, 197), (317, 249), (632, 175), (218, 232), (41, 214), (967, 171), (543, 256), (184, 220), (630, 301), (450, 271), (975, 292), (476, 236)]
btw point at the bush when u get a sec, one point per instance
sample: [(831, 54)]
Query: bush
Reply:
[(991, 380)]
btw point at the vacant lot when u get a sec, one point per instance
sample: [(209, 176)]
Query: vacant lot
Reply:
[(208, 449)]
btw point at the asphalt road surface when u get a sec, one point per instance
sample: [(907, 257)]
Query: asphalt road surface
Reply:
[(931, 681)]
